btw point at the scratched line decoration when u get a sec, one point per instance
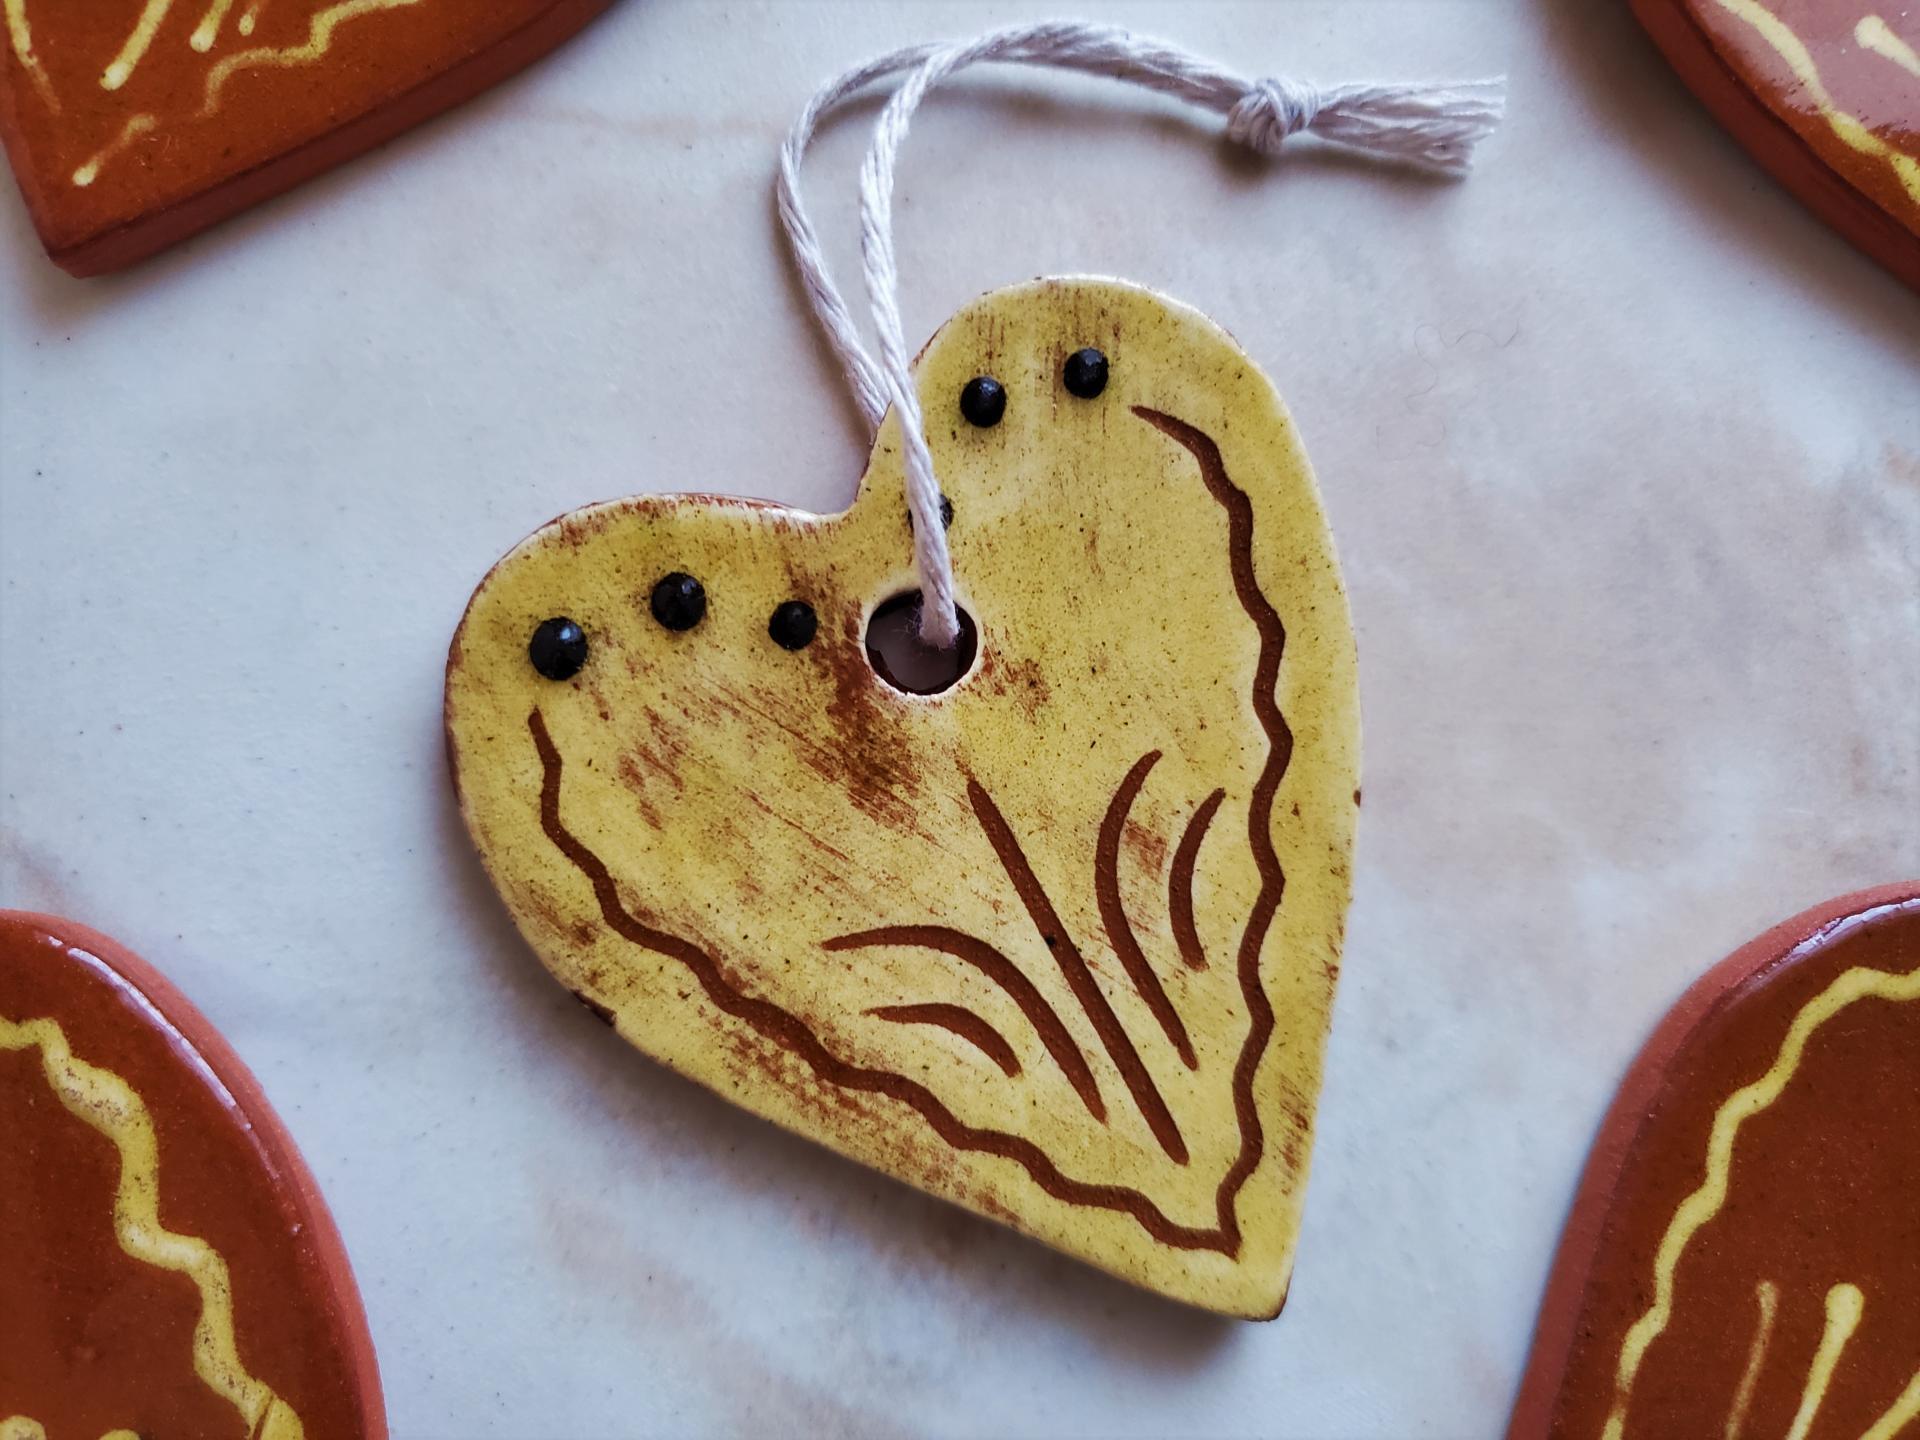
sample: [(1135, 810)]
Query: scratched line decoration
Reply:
[(1743, 1258), (169, 1267), (996, 832), (1055, 934), (1058, 944), (131, 124), (1825, 94)]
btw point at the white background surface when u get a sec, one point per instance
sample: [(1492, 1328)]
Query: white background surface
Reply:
[(1623, 454)]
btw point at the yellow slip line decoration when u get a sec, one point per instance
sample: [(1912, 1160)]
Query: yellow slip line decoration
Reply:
[(319, 41), (208, 30), (1845, 1305), (20, 36), (1873, 33), (135, 49), (1905, 1411), (1768, 1294), (136, 126), (1738, 1108), (111, 1106), (1777, 33)]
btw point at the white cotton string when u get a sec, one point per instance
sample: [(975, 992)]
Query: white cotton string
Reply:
[(1432, 127)]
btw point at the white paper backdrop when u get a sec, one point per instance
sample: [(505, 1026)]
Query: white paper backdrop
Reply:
[(1623, 455)]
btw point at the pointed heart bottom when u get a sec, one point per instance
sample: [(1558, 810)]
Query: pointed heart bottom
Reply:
[(1743, 1257), (1058, 943), (167, 1264), (133, 125)]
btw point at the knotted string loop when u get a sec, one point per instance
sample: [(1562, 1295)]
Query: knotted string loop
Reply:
[(1429, 127)]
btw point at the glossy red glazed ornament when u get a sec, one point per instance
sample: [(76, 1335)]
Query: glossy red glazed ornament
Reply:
[(132, 124), (167, 1266), (1743, 1256), (1824, 93)]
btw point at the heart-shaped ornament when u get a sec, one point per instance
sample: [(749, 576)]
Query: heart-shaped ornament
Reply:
[(1743, 1257), (170, 1267), (1058, 944), (135, 124)]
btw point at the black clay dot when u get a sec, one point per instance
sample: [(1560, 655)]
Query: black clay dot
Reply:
[(679, 601), (793, 625), (946, 515), (983, 401), (1085, 373), (558, 648)]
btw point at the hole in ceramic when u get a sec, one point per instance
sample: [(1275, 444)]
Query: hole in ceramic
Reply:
[(900, 658)]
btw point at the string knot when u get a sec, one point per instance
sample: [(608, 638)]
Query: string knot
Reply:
[(1273, 109), (1429, 127)]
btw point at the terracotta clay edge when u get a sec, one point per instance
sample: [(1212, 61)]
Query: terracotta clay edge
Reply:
[(147, 234), (1615, 1142), (271, 1131), (1774, 145)]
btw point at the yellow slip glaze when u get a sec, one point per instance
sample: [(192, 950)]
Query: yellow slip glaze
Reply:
[(1058, 945)]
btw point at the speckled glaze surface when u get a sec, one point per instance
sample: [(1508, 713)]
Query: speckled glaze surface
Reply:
[(1618, 444), (1059, 944), (1825, 93), (133, 125), (1744, 1254), (169, 1267)]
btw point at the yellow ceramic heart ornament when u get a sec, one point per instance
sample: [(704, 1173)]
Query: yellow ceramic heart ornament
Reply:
[(1058, 944)]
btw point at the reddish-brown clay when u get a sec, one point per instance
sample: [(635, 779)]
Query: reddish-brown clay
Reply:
[(133, 125), (98, 1327), (1824, 93), (1743, 1255)]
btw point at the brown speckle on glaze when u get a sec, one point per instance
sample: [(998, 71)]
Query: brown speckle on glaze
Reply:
[(1012, 942)]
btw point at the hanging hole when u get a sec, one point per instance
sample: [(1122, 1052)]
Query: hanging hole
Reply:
[(904, 661)]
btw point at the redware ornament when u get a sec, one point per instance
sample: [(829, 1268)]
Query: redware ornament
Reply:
[(1040, 908), (171, 1268), (1743, 1256), (133, 125), (1825, 94)]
